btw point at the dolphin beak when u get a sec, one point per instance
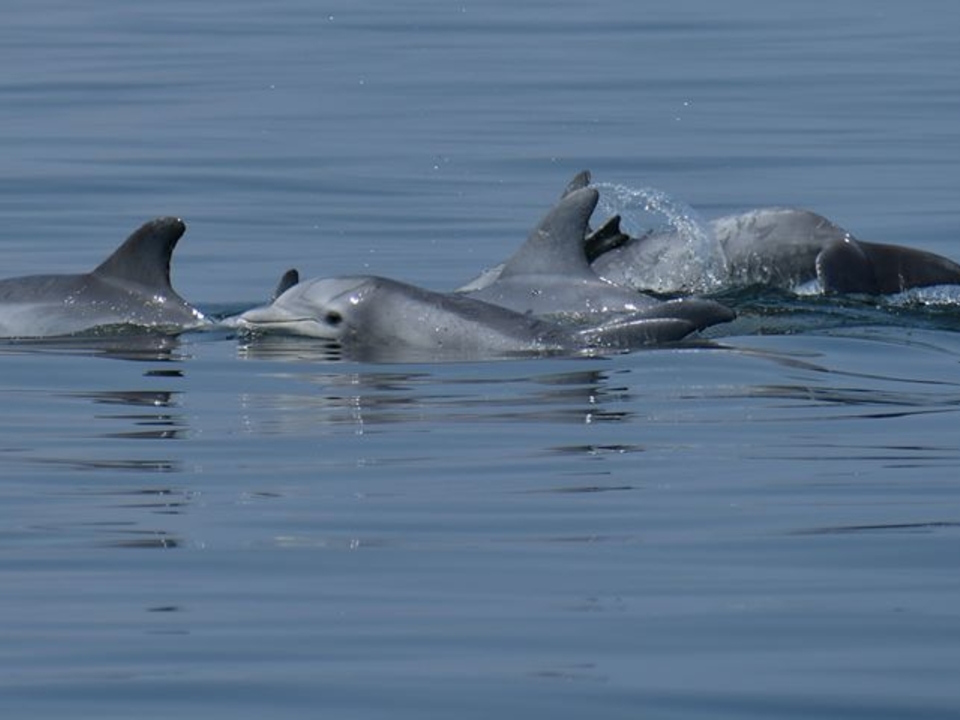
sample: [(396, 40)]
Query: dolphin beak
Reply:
[(266, 316), (271, 319)]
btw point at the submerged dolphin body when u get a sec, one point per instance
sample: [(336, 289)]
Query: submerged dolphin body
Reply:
[(375, 318), (131, 287), (777, 247)]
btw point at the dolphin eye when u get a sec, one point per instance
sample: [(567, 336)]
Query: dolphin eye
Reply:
[(333, 318)]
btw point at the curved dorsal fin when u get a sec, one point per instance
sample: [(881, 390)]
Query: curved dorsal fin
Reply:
[(290, 278), (144, 257), (555, 246)]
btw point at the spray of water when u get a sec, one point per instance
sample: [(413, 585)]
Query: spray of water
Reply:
[(936, 296), (696, 260)]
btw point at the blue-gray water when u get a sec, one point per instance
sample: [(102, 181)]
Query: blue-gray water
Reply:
[(766, 527)]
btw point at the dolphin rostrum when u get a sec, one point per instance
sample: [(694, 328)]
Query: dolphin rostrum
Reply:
[(131, 287)]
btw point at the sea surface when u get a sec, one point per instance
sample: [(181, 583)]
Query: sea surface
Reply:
[(763, 523)]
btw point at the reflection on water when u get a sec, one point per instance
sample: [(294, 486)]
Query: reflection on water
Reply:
[(913, 527), (135, 345), (77, 422), (305, 349), (651, 489), (903, 402), (150, 425), (288, 349), (147, 398), (91, 512), (159, 500), (577, 489), (596, 451), (145, 540), (123, 465), (469, 393)]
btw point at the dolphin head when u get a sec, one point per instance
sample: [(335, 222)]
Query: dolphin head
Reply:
[(322, 308)]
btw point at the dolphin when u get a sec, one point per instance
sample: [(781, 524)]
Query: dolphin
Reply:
[(131, 287), (550, 276), (776, 247), (597, 242), (376, 318), (787, 248)]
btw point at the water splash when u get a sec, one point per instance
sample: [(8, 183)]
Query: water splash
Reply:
[(693, 259), (933, 297)]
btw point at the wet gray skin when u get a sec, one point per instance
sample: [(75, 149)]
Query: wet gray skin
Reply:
[(131, 287), (779, 247), (382, 319)]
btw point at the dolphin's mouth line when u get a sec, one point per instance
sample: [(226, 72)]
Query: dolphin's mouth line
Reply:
[(285, 321)]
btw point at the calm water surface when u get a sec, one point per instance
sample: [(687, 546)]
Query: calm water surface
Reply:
[(762, 525)]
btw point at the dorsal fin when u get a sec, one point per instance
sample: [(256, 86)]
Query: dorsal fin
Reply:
[(605, 238), (579, 182), (555, 246), (290, 278), (144, 257)]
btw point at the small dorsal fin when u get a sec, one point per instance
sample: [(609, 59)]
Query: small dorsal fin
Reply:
[(579, 182), (290, 278), (556, 245), (144, 257), (605, 238)]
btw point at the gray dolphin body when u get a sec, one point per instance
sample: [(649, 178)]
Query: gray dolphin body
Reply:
[(131, 287), (545, 299), (550, 275), (375, 318), (776, 247)]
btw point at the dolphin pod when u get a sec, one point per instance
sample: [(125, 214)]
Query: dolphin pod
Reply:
[(130, 288), (568, 288), (547, 299), (784, 248), (779, 247)]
